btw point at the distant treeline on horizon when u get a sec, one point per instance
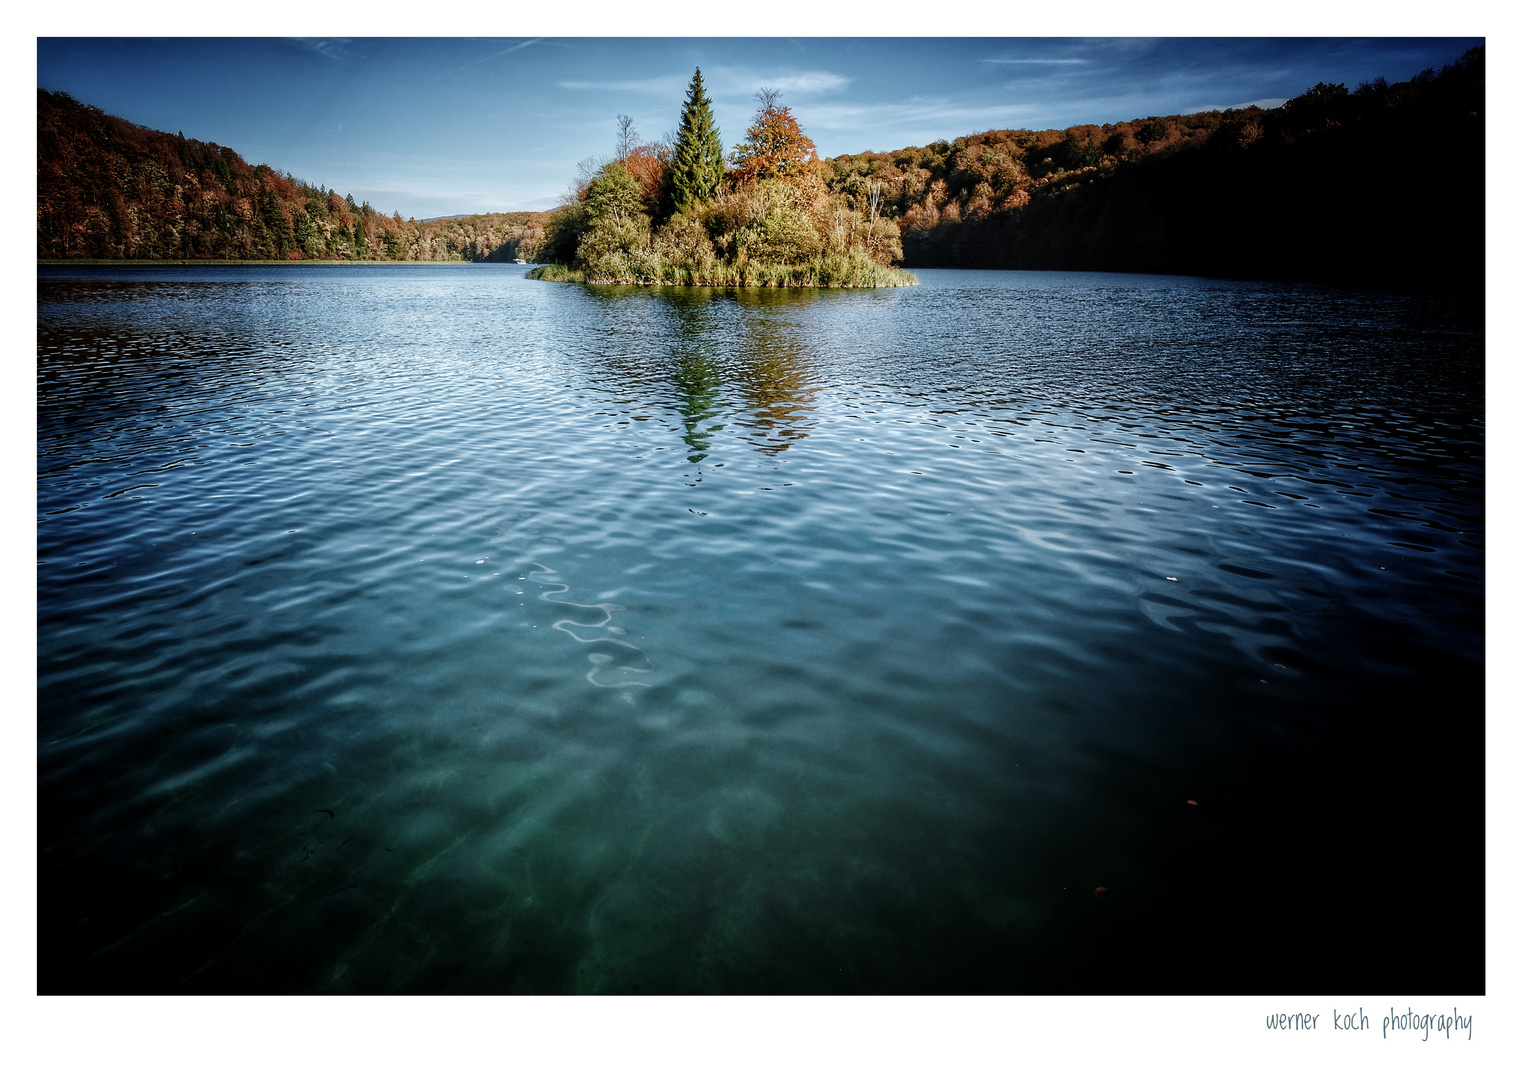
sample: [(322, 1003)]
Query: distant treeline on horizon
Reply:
[(1334, 185)]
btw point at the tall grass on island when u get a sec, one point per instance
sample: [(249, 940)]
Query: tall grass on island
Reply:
[(831, 271), (661, 214)]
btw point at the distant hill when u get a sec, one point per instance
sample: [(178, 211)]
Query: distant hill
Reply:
[(109, 189), (1380, 185)]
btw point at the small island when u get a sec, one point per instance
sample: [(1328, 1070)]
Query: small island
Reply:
[(677, 215)]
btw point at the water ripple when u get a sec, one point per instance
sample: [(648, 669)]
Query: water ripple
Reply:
[(946, 588)]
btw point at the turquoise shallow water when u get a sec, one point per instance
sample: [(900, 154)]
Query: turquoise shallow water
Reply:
[(427, 629)]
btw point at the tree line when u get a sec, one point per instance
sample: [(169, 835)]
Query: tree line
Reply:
[(109, 189), (1379, 185)]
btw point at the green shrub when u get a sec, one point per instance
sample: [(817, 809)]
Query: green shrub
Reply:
[(684, 239), (612, 245)]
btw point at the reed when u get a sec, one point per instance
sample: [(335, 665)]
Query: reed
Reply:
[(823, 272)]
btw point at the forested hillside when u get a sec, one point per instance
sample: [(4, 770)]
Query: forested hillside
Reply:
[(1383, 184), (109, 189)]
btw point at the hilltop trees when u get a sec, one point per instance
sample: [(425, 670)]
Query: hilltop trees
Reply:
[(697, 169)]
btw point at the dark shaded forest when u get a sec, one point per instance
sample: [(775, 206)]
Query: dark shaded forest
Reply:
[(109, 189), (1334, 185)]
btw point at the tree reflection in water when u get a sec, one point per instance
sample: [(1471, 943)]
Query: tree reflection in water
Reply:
[(741, 337), (681, 347), (696, 374)]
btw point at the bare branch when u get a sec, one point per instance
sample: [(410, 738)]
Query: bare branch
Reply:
[(627, 137)]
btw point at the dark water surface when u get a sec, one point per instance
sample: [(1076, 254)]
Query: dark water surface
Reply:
[(428, 629)]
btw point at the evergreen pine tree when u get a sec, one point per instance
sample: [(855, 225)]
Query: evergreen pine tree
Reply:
[(698, 162)]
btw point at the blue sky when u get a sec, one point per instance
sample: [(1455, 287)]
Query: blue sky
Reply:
[(434, 126)]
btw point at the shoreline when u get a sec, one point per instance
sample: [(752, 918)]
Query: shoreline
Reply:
[(270, 262), (772, 276)]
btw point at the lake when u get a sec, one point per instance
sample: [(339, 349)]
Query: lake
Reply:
[(425, 629)]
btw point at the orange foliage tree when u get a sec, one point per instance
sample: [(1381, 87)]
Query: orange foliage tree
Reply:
[(649, 164), (774, 144)]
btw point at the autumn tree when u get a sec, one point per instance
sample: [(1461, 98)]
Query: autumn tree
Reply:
[(774, 145), (649, 165), (697, 167)]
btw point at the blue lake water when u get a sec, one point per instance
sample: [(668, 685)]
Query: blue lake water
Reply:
[(429, 629)]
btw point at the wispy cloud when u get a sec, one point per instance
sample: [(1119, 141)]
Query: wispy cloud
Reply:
[(747, 80), (810, 82), (991, 60), (662, 84), (492, 56), (923, 118), (339, 49)]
